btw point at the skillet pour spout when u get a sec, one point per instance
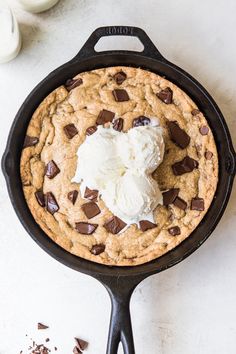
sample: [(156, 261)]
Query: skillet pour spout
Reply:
[(121, 281)]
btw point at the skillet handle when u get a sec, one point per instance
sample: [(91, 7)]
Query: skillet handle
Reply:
[(88, 48), (120, 290)]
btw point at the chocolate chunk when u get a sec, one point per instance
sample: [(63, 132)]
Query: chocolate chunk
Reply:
[(184, 166), (91, 130), (91, 194), (141, 121), (105, 117), (195, 112), (114, 225), (204, 130), (165, 95), (91, 209), (72, 83), (120, 77), (178, 135), (97, 249), (208, 155), (72, 196), (40, 197), (120, 95), (51, 203), (170, 196), (85, 228), (70, 130), (47, 340), (51, 169), (197, 204), (42, 326), (76, 351), (118, 124), (30, 141), (146, 225), (81, 344), (174, 231), (180, 203)]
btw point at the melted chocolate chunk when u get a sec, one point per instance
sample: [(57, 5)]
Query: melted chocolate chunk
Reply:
[(81, 344), (197, 204), (178, 135), (91, 130), (120, 95), (105, 117), (174, 231), (51, 203), (42, 326), (70, 130), (91, 194), (85, 228), (51, 169), (72, 196), (141, 121), (30, 141), (170, 196), (72, 83), (180, 203), (114, 225), (165, 95), (146, 225), (91, 209), (195, 112), (120, 77), (40, 197), (204, 130), (184, 166), (97, 249), (118, 124), (208, 155)]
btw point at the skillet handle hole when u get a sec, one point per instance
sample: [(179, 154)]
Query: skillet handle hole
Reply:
[(124, 43)]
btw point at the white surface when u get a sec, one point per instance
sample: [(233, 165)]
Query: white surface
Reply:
[(189, 309)]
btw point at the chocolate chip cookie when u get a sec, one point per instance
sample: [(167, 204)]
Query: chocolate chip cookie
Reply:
[(122, 97)]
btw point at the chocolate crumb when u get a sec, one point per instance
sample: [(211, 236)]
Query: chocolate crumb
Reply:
[(42, 326), (81, 344)]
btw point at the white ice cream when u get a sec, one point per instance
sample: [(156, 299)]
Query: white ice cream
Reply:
[(98, 161), (10, 38), (142, 148), (36, 6), (119, 165), (132, 197)]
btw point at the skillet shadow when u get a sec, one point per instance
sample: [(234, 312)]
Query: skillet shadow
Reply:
[(158, 321)]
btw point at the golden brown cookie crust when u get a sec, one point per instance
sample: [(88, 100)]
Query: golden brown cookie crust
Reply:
[(81, 107)]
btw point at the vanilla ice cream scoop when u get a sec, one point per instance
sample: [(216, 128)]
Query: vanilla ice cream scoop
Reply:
[(142, 148), (98, 161), (132, 197), (119, 166), (10, 37)]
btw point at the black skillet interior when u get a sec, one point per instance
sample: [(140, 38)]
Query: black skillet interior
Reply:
[(120, 282)]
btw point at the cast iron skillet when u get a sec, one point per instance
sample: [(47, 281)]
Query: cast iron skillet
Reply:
[(121, 281)]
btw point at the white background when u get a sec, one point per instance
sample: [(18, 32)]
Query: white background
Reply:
[(189, 309)]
